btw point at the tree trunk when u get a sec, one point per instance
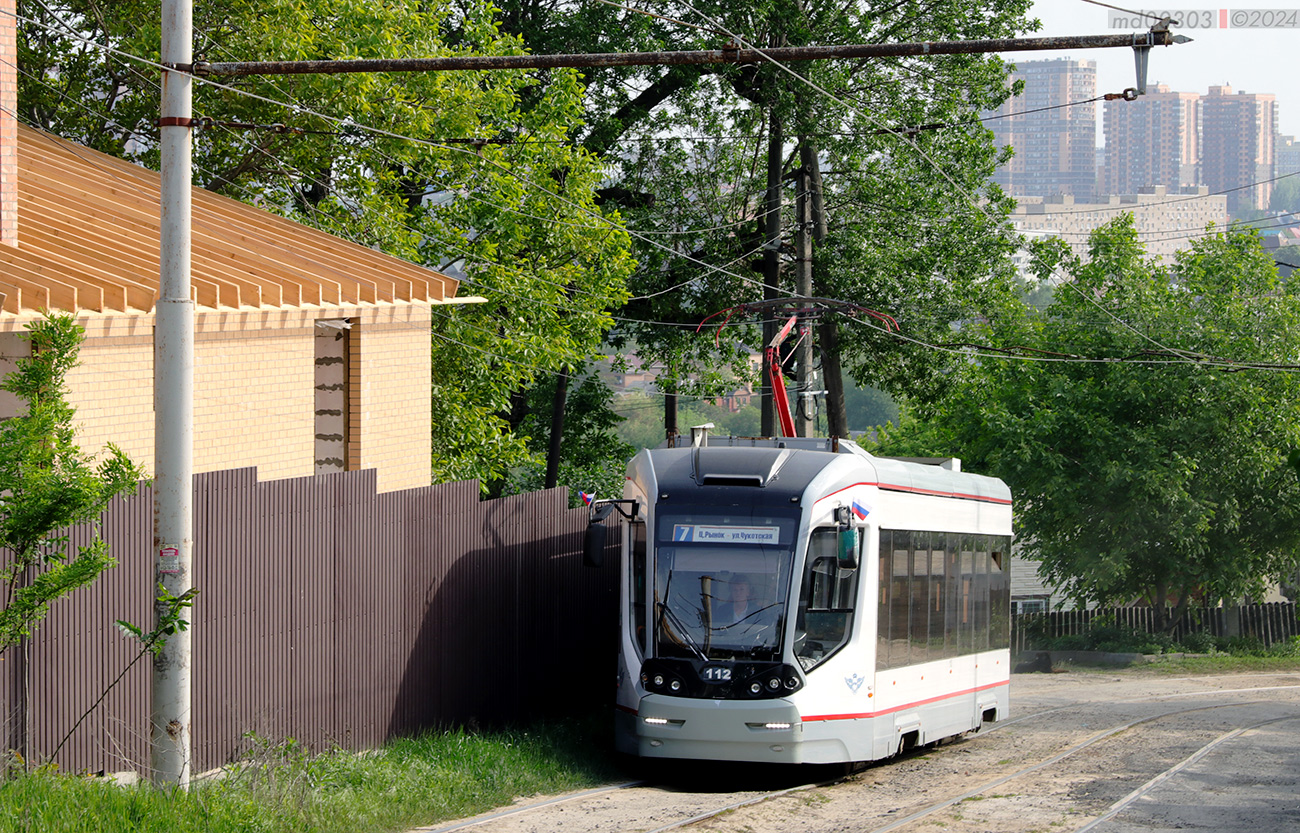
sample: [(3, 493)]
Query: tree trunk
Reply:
[(670, 416), (557, 429), (837, 419)]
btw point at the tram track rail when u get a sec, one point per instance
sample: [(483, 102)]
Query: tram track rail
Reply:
[(1119, 806), (997, 782), (986, 786)]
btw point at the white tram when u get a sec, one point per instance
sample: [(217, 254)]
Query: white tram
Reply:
[(802, 601)]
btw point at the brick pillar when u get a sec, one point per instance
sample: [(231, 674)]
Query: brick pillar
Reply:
[(8, 123)]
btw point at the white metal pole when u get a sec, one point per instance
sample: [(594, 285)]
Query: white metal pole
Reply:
[(170, 715)]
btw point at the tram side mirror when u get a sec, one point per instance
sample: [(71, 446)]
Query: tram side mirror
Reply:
[(848, 538), (848, 549), (593, 545)]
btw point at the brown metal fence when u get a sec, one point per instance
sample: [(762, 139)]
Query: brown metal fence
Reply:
[(330, 614), (1269, 623)]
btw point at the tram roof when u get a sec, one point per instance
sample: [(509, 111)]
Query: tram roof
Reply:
[(781, 468)]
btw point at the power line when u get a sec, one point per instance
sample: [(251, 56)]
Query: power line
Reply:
[(378, 131)]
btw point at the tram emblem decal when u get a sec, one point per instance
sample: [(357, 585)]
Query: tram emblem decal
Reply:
[(855, 682)]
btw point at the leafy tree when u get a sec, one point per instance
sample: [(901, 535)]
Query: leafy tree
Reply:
[(47, 484), (1287, 259), (686, 149), (642, 424), (470, 173), (1286, 195), (1149, 453), (593, 458), (868, 407)]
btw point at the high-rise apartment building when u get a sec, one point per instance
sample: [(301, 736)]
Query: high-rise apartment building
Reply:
[(1052, 126), (1152, 141), (1237, 132), (1286, 159)]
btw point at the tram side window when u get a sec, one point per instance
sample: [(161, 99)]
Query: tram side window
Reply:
[(999, 594), (941, 595), (636, 588), (938, 597), (826, 609), (966, 613), (919, 628), (900, 601), (952, 582), (882, 610)]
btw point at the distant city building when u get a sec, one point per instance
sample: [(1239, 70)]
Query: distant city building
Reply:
[(1286, 156), (1166, 219), (1150, 141), (1055, 145), (1237, 151)]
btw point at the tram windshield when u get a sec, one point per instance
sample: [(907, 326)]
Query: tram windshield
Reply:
[(721, 583)]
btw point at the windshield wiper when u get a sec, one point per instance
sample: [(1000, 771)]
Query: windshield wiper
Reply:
[(665, 610)]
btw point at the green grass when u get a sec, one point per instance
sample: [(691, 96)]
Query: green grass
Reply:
[(280, 787), (1213, 664), (1228, 664)]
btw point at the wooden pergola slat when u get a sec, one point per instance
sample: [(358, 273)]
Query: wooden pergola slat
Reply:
[(89, 229)]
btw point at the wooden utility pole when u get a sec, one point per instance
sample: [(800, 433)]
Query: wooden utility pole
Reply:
[(828, 336), (771, 258), (804, 402)]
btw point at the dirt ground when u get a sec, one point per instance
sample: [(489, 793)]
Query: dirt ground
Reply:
[(1005, 779)]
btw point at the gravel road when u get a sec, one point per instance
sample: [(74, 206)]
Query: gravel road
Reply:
[(1104, 752)]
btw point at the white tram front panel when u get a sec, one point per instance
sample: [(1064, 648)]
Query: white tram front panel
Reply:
[(745, 637)]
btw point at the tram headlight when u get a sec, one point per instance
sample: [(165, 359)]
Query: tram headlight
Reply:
[(773, 684), (791, 683), (676, 685), (755, 688), (659, 680)]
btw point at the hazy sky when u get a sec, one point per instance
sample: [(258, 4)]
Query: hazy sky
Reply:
[(1256, 60)]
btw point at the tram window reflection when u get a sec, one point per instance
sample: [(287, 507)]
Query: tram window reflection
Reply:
[(919, 628), (882, 610), (826, 609), (900, 600), (941, 595), (638, 595)]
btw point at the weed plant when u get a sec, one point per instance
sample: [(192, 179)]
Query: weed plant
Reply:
[(285, 787)]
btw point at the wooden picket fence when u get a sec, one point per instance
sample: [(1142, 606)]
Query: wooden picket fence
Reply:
[(1269, 623)]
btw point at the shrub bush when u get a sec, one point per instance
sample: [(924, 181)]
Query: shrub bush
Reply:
[(1200, 642)]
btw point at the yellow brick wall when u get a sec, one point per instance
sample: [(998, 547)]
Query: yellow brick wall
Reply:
[(389, 369), (254, 401), (112, 389), (254, 381)]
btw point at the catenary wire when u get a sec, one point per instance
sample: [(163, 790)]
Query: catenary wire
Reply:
[(378, 131)]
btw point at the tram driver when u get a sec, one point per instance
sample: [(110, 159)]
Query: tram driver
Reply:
[(747, 617)]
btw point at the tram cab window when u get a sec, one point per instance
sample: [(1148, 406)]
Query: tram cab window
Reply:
[(636, 590), (826, 607)]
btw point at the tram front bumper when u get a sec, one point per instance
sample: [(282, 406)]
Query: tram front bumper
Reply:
[(722, 730)]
